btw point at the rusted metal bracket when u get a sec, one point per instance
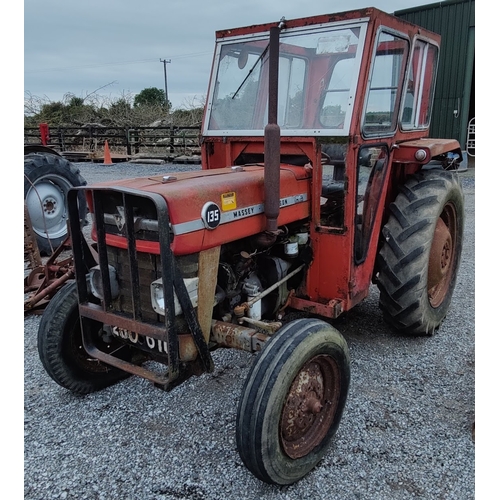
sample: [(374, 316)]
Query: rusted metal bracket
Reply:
[(31, 251), (45, 280), (238, 337)]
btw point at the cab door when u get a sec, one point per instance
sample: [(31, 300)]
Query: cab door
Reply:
[(379, 129)]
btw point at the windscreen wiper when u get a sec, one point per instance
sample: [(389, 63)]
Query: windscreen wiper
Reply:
[(251, 70)]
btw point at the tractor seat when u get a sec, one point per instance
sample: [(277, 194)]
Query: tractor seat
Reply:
[(334, 154), (329, 190)]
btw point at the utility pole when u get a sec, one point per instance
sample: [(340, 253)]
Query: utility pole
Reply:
[(165, 61)]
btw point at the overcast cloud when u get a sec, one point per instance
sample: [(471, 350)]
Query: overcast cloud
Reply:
[(116, 46)]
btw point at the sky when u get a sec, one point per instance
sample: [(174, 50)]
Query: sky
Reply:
[(113, 49)]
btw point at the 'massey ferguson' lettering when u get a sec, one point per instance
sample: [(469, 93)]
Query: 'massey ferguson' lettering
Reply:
[(212, 220), (243, 212)]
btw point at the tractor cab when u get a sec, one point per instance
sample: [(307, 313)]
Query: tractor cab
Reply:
[(352, 95), (362, 74)]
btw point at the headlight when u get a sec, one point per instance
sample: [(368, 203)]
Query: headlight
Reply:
[(158, 298), (96, 282)]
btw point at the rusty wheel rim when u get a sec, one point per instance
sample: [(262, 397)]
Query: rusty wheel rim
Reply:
[(76, 353), (310, 406), (442, 256)]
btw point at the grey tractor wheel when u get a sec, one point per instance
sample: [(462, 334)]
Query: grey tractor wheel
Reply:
[(292, 401), (61, 351), (47, 180), (419, 259)]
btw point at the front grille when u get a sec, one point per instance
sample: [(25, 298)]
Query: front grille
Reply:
[(136, 271), (149, 269), (145, 221)]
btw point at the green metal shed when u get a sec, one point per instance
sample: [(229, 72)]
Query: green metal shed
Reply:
[(454, 107)]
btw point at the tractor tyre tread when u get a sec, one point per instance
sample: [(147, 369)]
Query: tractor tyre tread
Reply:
[(60, 325), (404, 255), (263, 391)]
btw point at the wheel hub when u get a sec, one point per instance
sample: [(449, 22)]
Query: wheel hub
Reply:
[(310, 406), (46, 206), (49, 206), (441, 259), (440, 256)]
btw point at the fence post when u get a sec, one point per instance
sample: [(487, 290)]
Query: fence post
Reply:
[(44, 134), (60, 134), (136, 141), (171, 139), (127, 141)]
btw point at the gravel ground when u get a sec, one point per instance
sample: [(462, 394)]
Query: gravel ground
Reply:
[(406, 430)]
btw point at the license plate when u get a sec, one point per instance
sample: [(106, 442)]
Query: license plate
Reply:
[(141, 341)]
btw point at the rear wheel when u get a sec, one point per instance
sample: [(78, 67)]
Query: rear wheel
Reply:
[(47, 180), (61, 351), (292, 401), (419, 260)]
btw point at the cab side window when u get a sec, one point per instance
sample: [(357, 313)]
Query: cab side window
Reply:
[(419, 92), (386, 80)]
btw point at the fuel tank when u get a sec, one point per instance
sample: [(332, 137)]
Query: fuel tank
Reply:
[(208, 208)]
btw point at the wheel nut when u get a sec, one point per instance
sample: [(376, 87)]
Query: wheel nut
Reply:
[(314, 405)]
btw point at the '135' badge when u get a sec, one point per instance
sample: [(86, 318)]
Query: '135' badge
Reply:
[(210, 215)]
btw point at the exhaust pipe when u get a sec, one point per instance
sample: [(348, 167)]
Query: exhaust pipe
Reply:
[(272, 139)]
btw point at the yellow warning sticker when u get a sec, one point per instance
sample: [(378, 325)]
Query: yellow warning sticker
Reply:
[(228, 201)]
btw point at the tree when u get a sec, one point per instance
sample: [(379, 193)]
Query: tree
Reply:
[(151, 96), (76, 102), (121, 113), (52, 113), (125, 111), (120, 107)]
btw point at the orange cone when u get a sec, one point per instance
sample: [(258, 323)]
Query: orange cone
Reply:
[(107, 154)]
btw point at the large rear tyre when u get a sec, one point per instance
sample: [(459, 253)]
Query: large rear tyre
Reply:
[(292, 401), (61, 351), (47, 180), (419, 260)]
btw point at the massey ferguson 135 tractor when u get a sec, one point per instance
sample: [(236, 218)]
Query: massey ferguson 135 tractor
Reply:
[(318, 179)]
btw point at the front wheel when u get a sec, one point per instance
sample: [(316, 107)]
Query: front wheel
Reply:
[(61, 351), (420, 256), (292, 401)]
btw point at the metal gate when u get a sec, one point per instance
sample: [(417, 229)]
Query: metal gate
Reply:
[(471, 137)]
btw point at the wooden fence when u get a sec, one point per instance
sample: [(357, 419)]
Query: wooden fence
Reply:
[(165, 142)]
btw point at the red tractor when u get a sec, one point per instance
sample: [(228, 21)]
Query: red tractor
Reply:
[(318, 179)]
